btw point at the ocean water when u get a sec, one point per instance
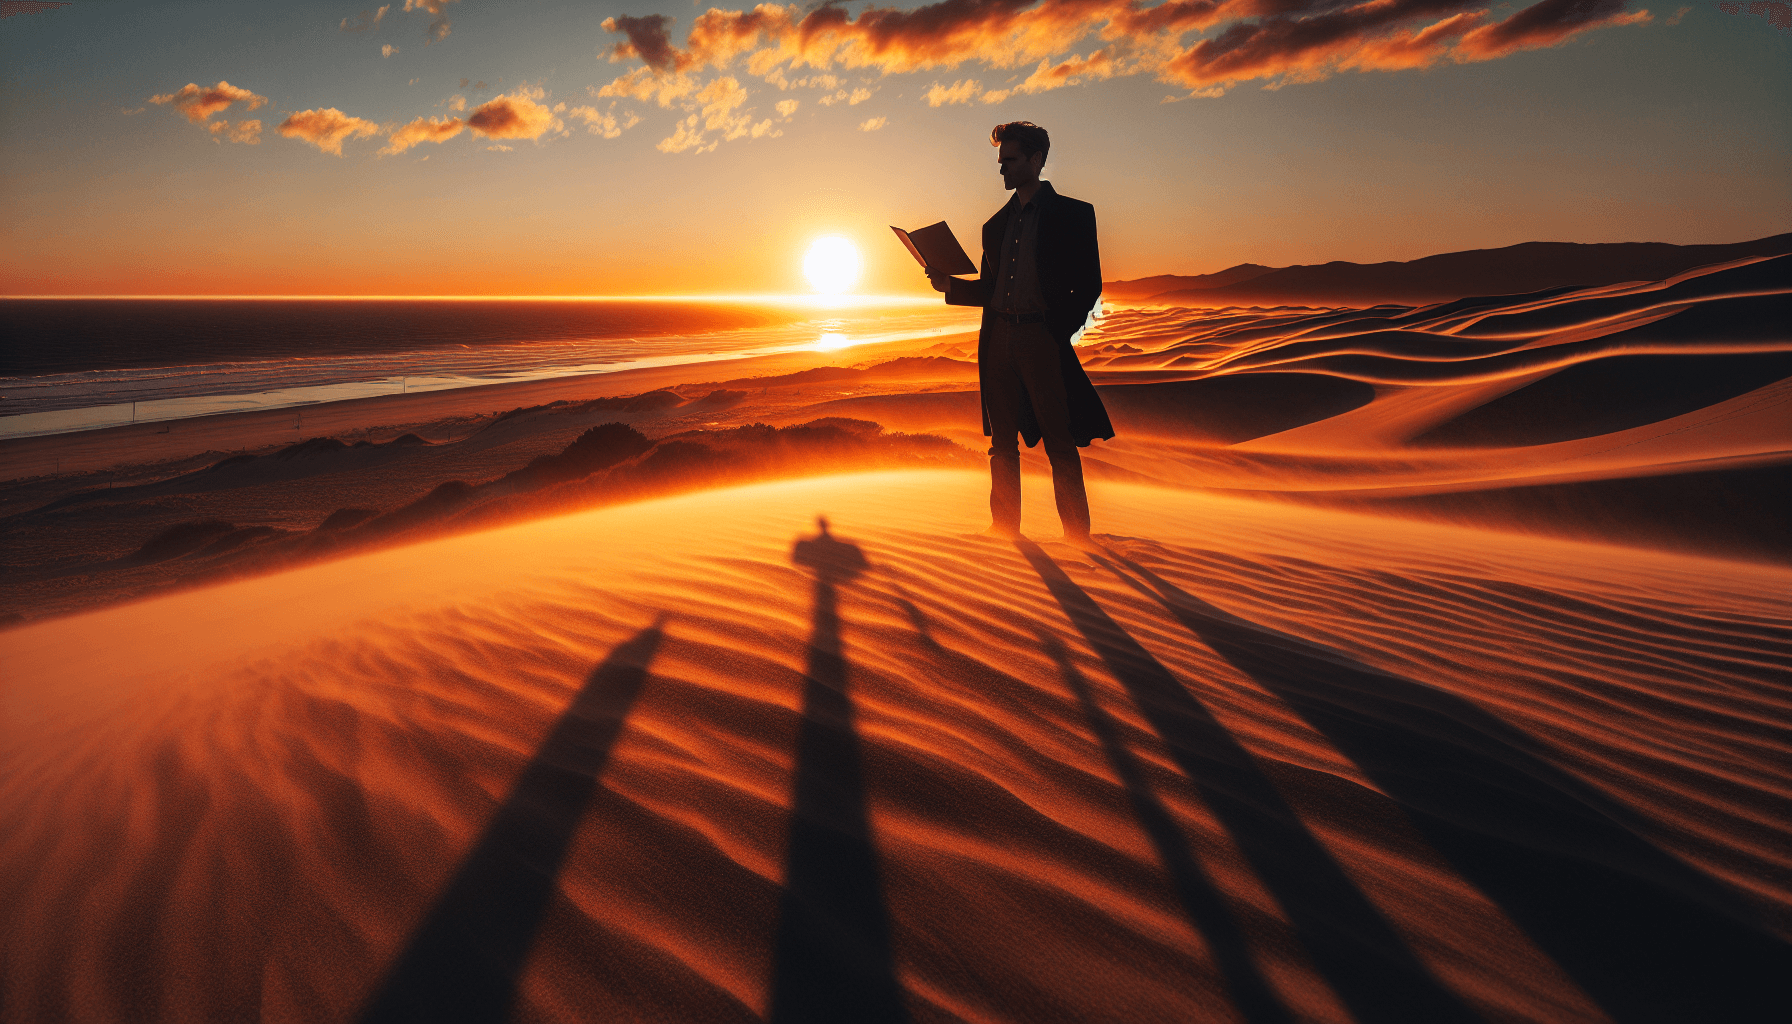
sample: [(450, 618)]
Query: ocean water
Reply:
[(79, 364)]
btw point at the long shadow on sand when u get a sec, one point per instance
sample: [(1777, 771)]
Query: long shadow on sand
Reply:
[(1201, 900), (463, 962), (1350, 942), (1645, 935), (832, 959)]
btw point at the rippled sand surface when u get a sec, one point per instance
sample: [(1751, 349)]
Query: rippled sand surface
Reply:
[(695, 760)]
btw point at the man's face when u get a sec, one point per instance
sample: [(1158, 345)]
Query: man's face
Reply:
[(1017, 169)]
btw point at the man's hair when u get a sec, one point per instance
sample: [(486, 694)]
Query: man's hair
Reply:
[(1028, 136)]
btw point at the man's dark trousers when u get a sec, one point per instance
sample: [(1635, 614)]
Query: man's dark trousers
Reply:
[(1021, 365)]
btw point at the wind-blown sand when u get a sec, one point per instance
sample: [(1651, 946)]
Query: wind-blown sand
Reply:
[(1433, 666), (1250, 762)]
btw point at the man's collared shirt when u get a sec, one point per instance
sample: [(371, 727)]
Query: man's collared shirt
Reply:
[(1017, 282)]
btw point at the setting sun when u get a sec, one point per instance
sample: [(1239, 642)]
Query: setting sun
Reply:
[(832, 265)]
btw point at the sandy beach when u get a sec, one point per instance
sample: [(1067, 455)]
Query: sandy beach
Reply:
[(1412, 677)]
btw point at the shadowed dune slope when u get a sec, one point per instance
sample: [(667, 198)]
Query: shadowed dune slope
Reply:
[(692, 759), (1212, 410)]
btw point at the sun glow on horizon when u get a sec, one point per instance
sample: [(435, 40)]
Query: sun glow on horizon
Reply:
[(833, 265)]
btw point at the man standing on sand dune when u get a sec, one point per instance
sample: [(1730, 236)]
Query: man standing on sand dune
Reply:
[(1040, 277)]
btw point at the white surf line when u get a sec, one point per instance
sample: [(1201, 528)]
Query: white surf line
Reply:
[(161, 410)]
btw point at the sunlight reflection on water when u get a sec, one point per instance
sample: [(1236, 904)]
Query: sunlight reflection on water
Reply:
[(50, 403), (832, 336)]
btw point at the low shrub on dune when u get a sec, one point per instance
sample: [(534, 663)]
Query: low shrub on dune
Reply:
[(699, 459)]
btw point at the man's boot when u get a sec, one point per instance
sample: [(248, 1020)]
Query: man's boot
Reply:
[(1004, 493), (1072, 499)]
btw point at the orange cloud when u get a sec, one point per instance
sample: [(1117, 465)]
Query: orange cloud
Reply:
[(1413, 49), (1279, 40), (719, 99), (439, 26), (686, 136), (516, 116), (365, 20), (1549, 23), (199, 103), (958, 92), (851, 99), (717, 107), (646, 38), (604, 123), (246, 132), (1098, 65), (422, 130), (999, 33), (1302, 49), (644, 83), (326, 129), (1179, 16)]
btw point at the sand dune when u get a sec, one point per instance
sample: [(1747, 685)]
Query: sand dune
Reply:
[(1250, 762), (1526, 267)]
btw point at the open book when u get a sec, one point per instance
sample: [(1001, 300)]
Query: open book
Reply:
[(935, 248)]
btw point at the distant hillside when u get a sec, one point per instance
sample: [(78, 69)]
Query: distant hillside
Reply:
[(1146, 287), (1515, 269)]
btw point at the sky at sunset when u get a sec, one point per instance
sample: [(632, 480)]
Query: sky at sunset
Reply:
[(449, 147)]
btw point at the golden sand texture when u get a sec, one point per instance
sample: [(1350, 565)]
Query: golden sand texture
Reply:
[(690, 759)]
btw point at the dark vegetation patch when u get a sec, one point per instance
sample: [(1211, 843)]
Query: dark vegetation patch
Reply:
[(314, 446), (906, 366), (720, 398), (180, 539), (239, 538), (447, 497), (618, 464), (344, 518), (598, 448), (234, 460)]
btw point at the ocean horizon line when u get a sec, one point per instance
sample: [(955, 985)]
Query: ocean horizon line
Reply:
[(779, 298)]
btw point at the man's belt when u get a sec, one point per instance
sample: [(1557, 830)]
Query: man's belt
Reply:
[(1017, 318)]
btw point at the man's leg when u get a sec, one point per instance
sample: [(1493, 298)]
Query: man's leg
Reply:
[(1002, 396), (1036, 357)]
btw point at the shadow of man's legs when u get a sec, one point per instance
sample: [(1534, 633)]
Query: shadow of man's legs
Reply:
[(1350, 942), (1205, 908), (463, 961), (833, 959), (1648, 937)]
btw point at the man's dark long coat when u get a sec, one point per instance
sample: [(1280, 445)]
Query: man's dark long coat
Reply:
[(1069, 262)]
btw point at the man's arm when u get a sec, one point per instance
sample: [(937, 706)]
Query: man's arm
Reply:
[(962, 292)]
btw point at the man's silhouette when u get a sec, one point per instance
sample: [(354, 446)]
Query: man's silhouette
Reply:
[(1041, 276)]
